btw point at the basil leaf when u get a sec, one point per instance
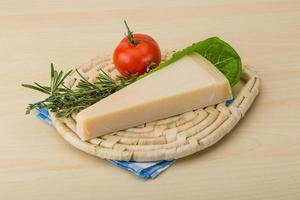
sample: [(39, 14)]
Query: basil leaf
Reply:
[(223, 56), (218, 52)]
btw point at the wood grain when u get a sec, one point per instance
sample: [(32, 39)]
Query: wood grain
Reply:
[(260, 159)]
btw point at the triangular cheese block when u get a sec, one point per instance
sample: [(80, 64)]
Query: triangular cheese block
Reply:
[(187, 84)]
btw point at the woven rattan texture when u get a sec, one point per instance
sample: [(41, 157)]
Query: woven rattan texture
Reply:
[(166, 139)]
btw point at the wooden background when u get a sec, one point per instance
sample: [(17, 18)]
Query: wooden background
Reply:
[(260, 159)]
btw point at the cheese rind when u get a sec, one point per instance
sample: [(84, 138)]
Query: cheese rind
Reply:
[(187, 84)]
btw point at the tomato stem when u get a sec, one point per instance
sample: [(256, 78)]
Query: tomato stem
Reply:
[(130, 35)]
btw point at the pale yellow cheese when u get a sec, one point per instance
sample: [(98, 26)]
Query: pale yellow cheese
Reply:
[(187, 84)]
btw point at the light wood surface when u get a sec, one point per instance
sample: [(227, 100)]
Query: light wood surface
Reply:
[(260, 159)]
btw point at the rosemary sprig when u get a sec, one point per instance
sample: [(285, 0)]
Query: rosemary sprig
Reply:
[(64, 101)]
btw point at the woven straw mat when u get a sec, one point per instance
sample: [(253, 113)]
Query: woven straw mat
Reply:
[(166, 139)]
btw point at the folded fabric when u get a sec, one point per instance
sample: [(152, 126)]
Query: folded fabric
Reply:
[(145, 170)]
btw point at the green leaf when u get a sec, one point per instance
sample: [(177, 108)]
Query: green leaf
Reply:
[(218, 52), (36, 88), (223, 56), (62, 78)]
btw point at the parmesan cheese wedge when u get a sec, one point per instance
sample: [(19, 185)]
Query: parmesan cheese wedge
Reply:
[(187, 84)]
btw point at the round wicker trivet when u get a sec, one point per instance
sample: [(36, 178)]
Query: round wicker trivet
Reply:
[(166, 139)]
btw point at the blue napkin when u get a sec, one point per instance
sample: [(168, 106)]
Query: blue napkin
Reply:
[(145, 170)]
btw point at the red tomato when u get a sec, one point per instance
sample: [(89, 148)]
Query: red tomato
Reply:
[(134, 55)]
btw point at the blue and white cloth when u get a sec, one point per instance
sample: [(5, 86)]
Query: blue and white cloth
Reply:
[(145, 170)]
